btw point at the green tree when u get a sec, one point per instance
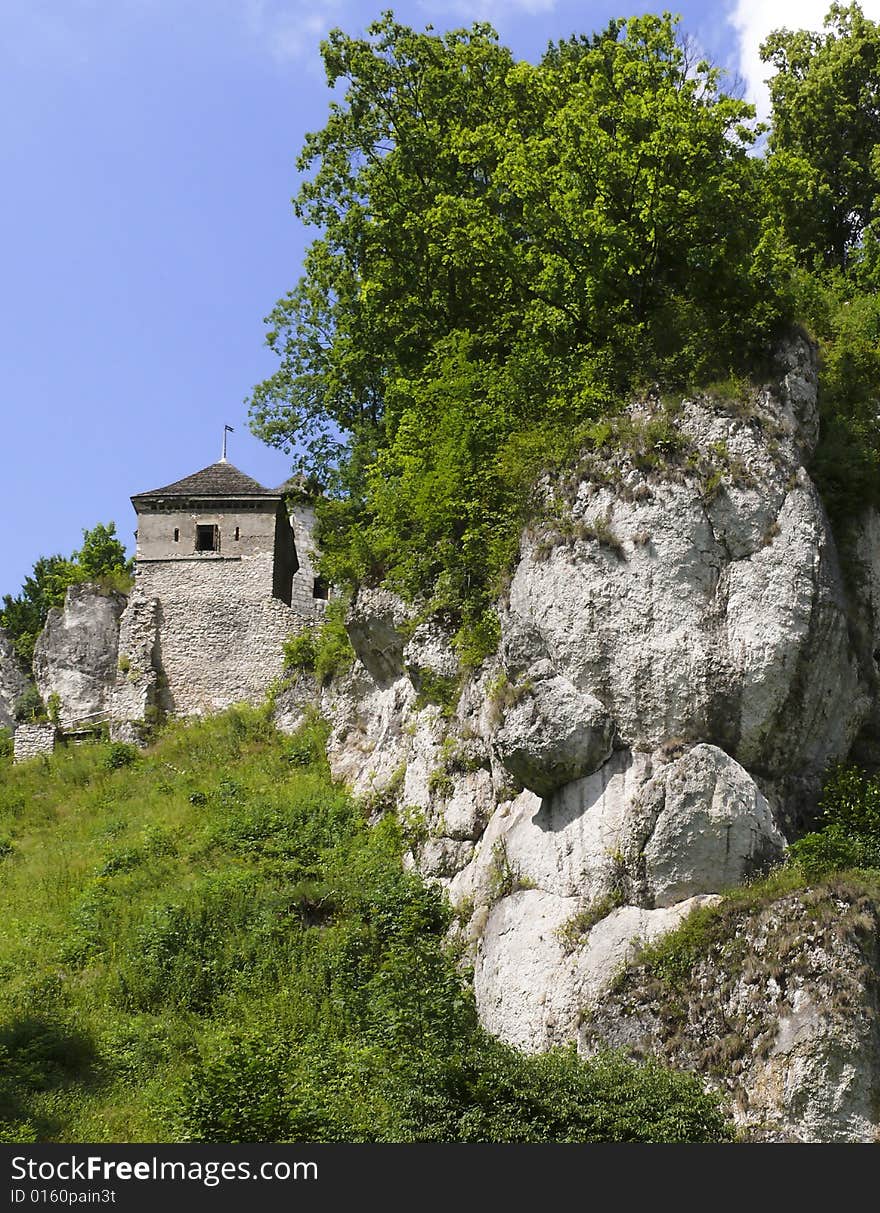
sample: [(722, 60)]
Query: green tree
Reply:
[(101, 558), (101, 555), (824, 163), (503, 247), (823, 179)]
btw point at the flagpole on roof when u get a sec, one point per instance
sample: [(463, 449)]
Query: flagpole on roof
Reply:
[(227, 429)]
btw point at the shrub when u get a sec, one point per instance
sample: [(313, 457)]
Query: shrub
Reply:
[(322, 649), (483, 1091), (29, 707), (848, 834), (299, 651), (120, 754)]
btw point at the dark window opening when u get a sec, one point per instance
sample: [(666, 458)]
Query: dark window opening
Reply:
[(320, 589), (207, 538), (236, 532), (176, 534)]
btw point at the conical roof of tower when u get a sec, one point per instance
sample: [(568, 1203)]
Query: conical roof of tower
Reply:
[(221, 479)]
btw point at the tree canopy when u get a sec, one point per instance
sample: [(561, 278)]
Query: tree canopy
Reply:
[(507, 251), (823, 179), (825, 138)]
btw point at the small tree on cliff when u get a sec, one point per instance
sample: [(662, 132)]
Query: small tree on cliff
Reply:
[(102, 558)]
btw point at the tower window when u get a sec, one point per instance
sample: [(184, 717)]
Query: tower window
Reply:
[(207, 538), (236, 533), (320, 588), (176, 534)]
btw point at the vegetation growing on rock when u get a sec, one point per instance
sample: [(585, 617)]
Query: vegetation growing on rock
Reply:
[(780, 973), (101, 559), (508, 252)]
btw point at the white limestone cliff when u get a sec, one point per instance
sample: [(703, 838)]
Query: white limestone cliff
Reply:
[(677, 669), (13, 682), (76, 654)]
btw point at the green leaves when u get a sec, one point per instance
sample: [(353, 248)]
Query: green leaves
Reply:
[(848, 834), (101, 558), (503, 247), (826, 129)]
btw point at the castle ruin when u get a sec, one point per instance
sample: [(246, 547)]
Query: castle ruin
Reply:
[(223, 576)]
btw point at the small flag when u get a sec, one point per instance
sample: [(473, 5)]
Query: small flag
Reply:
[(229, 428)]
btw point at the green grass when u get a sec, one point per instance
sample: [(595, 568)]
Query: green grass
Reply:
[(109, 867), (207, 942)]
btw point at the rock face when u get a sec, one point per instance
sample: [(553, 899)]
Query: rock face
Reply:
[(76, 654), (13, 682), (702, 606), (532, 988), (375, 628), (677, 668), (779, 1008)]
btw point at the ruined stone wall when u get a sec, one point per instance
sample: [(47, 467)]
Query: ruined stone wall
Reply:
[(31, 740), (302, 520), (136, 693), (200, 636)]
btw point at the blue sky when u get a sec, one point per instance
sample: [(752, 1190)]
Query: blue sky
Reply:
[(149, 150)]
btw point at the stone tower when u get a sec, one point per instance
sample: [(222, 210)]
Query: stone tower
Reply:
[(222, 577), (215, 534)]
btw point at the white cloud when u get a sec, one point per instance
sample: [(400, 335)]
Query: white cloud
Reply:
[(754, 19), (75, 31), (485, 10), (291, 29)]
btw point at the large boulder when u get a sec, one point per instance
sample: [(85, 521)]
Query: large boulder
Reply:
[(553, 734), (570, 844), (13, 682), (707, 828), (76, 654)]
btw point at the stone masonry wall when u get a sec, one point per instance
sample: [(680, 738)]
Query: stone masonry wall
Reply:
[(135, 695), (302, 596), (31, 740), (215, 652), (200, 635)]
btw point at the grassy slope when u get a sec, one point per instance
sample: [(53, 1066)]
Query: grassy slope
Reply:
[(95, 853), (209, 943)]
